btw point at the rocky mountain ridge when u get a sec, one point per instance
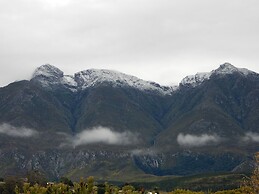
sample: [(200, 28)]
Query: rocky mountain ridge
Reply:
[(49, 75), (224, 69)]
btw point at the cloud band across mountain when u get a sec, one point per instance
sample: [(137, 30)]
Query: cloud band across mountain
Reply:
[(104, 135), (10, 130), (251, 137), (189, 140)]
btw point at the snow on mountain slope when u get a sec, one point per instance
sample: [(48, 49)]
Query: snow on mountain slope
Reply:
[(48, 71), (195, 80), (92, 77), (49, 75), (227, 68), (224, 69), (69, 82)]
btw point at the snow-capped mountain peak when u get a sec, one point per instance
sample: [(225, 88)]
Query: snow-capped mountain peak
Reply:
[(227, 68), (48, 70), (49, 76), (224, 69)]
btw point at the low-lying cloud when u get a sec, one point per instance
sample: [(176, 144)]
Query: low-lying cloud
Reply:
[(197, 140), (104, 135), (12, 131), (251, 137), (143, 152)]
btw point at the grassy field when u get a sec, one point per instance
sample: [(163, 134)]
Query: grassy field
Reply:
[(204, 182)]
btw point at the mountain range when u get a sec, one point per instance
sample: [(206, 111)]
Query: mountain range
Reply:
[(115, 126)]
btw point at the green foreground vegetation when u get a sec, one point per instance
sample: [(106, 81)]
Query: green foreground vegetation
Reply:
[(89, 186), (35, 183)]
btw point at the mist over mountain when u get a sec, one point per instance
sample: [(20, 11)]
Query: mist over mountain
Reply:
[(106, 123)]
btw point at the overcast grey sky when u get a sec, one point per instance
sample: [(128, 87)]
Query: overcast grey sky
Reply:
[(158, 40)]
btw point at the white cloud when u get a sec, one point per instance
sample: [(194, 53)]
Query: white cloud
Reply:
[(140, 152), (251, 137), (197, 140), (104, 135), (9, 130)]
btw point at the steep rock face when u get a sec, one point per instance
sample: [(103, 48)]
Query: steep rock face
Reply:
[(56, 163), (50, 77), (48, 73), (187, 162), (211, 119)]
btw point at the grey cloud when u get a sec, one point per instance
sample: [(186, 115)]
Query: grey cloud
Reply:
[(155, 40), (10, 130), (104, 135), (251, 137), (197, 140)]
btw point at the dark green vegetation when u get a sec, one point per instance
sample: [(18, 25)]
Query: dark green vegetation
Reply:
[(36, 184), (204, 182), (218, 121)]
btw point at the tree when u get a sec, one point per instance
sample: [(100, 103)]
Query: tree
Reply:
[(66, 181), (251, 186), (36, 177), (182, 191), (101, 189), (127, 189), (90, 184), (11, 185)]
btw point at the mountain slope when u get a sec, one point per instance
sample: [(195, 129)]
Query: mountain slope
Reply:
[(87, 123), (26, 104), (225, 105)]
